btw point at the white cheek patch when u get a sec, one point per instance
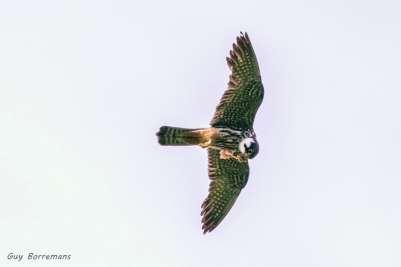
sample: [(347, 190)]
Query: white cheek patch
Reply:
[(248, 141), (245, 142)]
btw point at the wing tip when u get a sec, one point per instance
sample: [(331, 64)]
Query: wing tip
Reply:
[(244, 37), (240, 48), (207, 228)]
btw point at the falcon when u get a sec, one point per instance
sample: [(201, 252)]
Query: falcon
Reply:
[(230, 140)]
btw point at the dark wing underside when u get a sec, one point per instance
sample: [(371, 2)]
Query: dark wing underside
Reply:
[(240, 102), (228, 177)]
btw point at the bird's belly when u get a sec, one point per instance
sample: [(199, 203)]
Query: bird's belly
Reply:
[(227, 140), (219, 139), (207, 136)]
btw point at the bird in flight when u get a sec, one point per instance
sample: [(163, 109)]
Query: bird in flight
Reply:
[(230, 140)]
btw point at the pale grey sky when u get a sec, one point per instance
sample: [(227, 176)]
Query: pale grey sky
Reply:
[(85, 85)]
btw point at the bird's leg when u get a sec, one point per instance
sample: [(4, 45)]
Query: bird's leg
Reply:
[(240, 157), (207, 136), (226, 154), (229, 154), (206, 143)]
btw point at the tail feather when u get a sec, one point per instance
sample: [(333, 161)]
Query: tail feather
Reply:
[(175, 136)]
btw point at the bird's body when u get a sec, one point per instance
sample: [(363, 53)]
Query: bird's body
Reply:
[(230, 139)]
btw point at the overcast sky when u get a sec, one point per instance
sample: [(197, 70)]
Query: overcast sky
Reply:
[(84, 86)]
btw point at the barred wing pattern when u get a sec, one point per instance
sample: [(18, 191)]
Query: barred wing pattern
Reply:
[(228, 177), (240, 102)]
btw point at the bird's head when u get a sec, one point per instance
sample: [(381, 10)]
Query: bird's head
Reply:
[(249, 146)]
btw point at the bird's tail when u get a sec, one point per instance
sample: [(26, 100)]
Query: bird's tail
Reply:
[(174, 136)]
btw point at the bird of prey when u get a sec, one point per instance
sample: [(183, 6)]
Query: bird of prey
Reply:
[(230, 140)]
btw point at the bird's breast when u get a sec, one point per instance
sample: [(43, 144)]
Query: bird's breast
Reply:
[(228, 139)]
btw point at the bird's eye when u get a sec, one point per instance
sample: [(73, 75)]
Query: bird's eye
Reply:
[(253, 150)]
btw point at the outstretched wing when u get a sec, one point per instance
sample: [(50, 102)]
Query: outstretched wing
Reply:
[(228, 177), (238, 106)]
